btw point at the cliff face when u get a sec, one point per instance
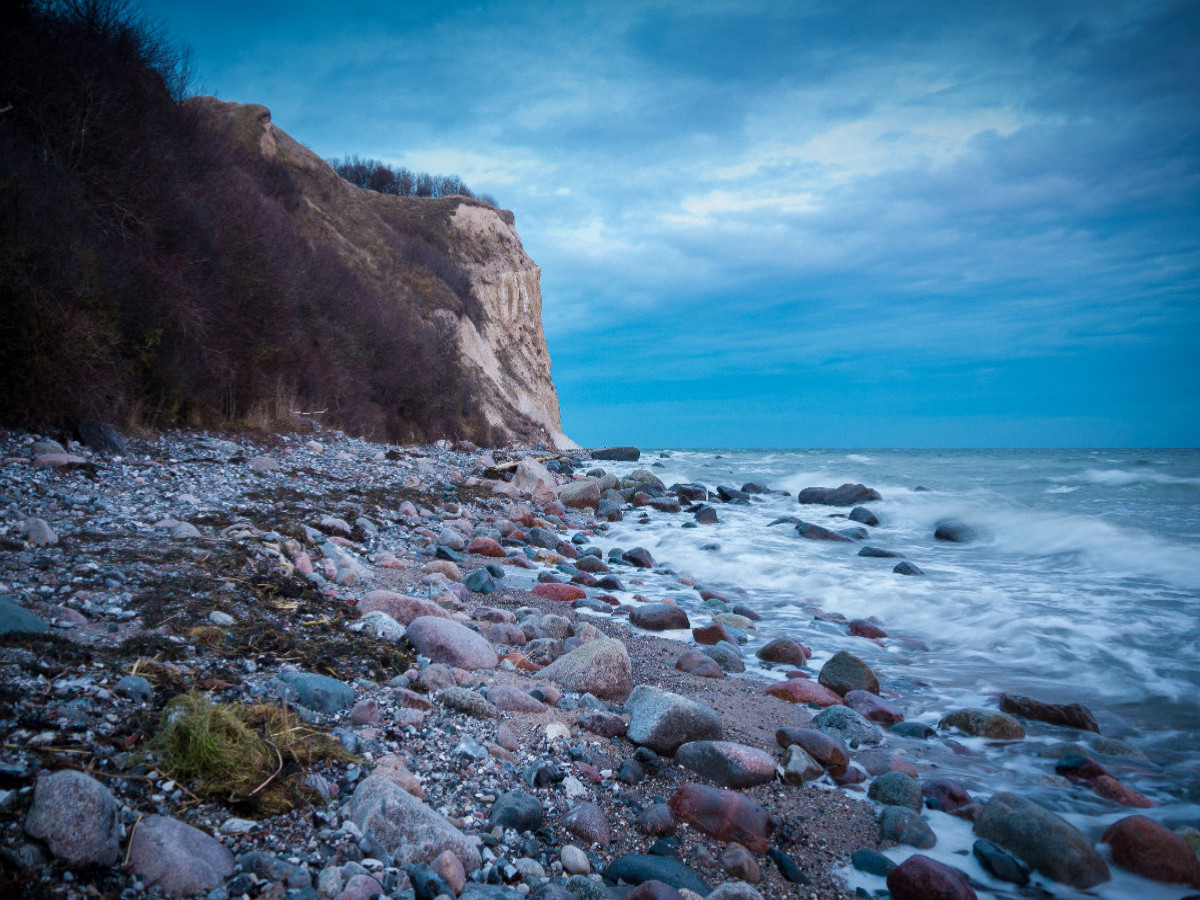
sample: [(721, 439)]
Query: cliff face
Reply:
[(492, 311)]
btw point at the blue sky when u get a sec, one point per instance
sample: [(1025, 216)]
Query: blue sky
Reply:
[(840, 224)]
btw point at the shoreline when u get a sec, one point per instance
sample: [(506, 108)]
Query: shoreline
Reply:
[(367, 516)]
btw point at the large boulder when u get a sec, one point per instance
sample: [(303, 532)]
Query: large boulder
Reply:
[(844, 723), (580, 494), (820, 533), (726, 815), (599, 667), (727, 763), (618, 454), (1069, 715), (985, 723), (845, 672), (662, 720), (408, 829), (1046, 841), (178, 859), (922, 878), (1153, 851), (76, 816), (659, 617), (15, 618), (846, 495), (954, 531), (531, 481), (452, 643)]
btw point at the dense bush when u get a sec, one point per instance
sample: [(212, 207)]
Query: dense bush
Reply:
[(151, 271), (375, 175)]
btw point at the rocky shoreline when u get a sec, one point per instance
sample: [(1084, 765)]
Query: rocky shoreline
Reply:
[(436, 673)]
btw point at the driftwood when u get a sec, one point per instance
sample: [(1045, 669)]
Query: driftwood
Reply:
[(505, 470)]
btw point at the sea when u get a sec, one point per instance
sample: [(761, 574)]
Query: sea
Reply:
[(1082, 586)]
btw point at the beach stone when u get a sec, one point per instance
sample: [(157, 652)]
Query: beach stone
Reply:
[(739, 862), (908, 568), (917, 730), (434, 677), (60, 460), (400, 607), (444, 567), (270, 867), (76, 816), (601, 723), (801, 690), (871, 862), (787, 867), (517, 810), (639, 557), (846, 495), (879, 553), (465, 700), (1110, 788), (426, 883), (903, 825), (563, 593), (844, 723), (863, 516), (865, 628), (696, 663), (710, 635), (844, 672), (873, 708), (734, 890), (800, 768), (450, 869), (486, 546), (39, 533), (706, 515), (574, 861), (657, 820), (827, 749), (178, 859), (504, 633), (726, 655), (617, 454), (922, 878), (480, 582), (450, 537), (16, 619), (379, 624), (727, 763), (950, 795), (783, 650), (452, 643), (725, 815), (659, 617), (814, 532), (531, 480), (394, 769), (588, 822), (662, 720), (955, 531), (1042, 839), (510, 698), (320, 693), (599, 667), (1147, 848), (580, 494), (404, 826), (1069, 715), (896, 789), (642, 868), (1000, 862), (876, 762), (855, 533), (984, 723), (135, 687)]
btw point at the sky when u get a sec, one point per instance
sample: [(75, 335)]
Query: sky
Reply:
[(810, 224)]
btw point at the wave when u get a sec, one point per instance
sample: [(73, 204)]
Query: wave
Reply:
[(1124, 478)]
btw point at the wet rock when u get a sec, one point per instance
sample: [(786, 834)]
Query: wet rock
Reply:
[(1069, 715), (696, 663), (76, 816), (799, 768), (856, 533), (846, 495), (588, 822), (865, 628), (706, 515), (879, 553), (908, 568), (727, 763), (320, 693), (1148, 848), (408, 829), (955, 531), (844, 723), (826, 749), (16, 619), (725, 815), (918, 730), (785, 651), (517, 810), (639, 557), (640, 868), (725, 655), (617, 454), (801, 690), (814, 532), (949, 795), (922, 878), (563, 593), (710, 635), (452, 643), (659, 617), (600, 667), (896, 789), (1044, 840), (1000, 863), (873, 708), (871, 862), (662, 720), (480, 582), (863, 515), (984, 723), (903, 825), (178, 859), (844, 672)]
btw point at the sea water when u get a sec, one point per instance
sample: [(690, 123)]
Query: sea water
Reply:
[(1082, 586)]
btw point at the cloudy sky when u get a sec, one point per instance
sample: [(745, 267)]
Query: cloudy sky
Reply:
[(810, 224)]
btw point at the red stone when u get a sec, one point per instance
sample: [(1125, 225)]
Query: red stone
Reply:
[(948, 792), (847, 775), (873, 707), (863, 628), (696, 663), (797, 690), (554, 508), (1152, 850), (552, 590), (922, 878), (654, 890), (400, 607), (876, 762), (486, 546), (522, 662), (586, 579), (725, 815), (1111, 789), (829, 751), (712, 634)]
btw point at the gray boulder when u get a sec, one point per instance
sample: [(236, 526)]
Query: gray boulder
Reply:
[(408, 829), (452, 643), (725, 655), (727, 763), (844, 672), (15, 618), (599, 667), (76, 816), (844, 723), (517, 810), (663, 721), (896, 789), (846, 495), (178, 859), (985, 723), (905, 826), (955, 531), (1042, 839)]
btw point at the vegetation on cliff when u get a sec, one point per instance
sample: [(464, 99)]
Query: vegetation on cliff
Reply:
[(159, 267)]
